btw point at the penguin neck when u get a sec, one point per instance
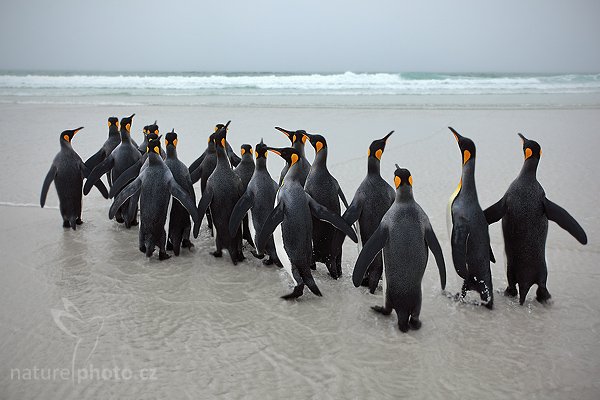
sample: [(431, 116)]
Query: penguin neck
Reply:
[(222, 159), (154, 159), (295, 173), (373, 166), (261, 164), (247, 159), (66, 145), (113, 132), (468, 177), (171, 152), (298, 145), (404, 194), (125, 136), (321, 158), (530, 167)]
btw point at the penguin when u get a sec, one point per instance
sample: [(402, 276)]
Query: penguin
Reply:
[(179, 219), (405, 235), (298, 139), (122, 157), (109, 145), (260, 198), (326, 191), (294, 212), (469, 235), (222, 192), (155, 184), (204, 166), (371, 201), (67, 171), (245, 170), (149, 129), (525, 211)]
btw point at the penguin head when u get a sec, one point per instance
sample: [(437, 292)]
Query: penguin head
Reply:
[(294, 136), (113, 123), (317, 141), (153, 143), (261, 149), (246, 150), (126, 123), (531, 148), (378, 146), (220, 136), (289, 154), (402, 178), (67, 136), (152, 129), (466, 145), (171, 139)]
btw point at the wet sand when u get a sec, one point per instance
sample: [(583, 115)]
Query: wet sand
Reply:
[(199, 327)]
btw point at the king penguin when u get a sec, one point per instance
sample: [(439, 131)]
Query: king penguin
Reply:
[(179, 219), (122, 157), (525, 212), (298, 139), (469, 235), (326, 191), (222, 192), (155, 184), (260, 198), (109, 145), (371, 201), (294, 212), (67, 171), (245, 170), (404, 234)]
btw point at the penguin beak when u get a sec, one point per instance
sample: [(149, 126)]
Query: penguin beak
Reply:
[(285, 132), (275, 150), (132, 115), (227, 124), (456, 134), (385, 138), (77, 130), (523, 138)]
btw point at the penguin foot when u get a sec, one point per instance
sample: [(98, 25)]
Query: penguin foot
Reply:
[(313, 267), (403, 327), (277, 262), (78, 221), (542, 295), (298, 291), (187, 244), (489, 304), (143, 249), (134, 223), (510, 292), (241, 256), (119, 220), (258, 255), (217, 253), (381, 310), (414, 324), (268, 261), (169, 245), (162, 255), (66, 224), (365, 282)]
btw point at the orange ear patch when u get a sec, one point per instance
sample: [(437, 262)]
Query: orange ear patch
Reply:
[(294, 159), (128, 127), (175, 142), (410, 180), (378, 154), (223, 142), (466, 156), (528, 153), (67, 138), (397, 181), (242, 152), (319, 146)]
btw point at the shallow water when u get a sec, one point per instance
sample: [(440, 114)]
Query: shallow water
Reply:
[(199, 327)]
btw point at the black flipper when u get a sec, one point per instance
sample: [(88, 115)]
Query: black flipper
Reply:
[(342, 197), (197, 163), (556, 213), (434, 246), (123, 195), (46, 185), (459, 250), (203, 204), (239, 211), (185, 199), (99, 184), (234, 159), (196, 174), (97, 173), (492, 258), (337, 221), (127, 176), (495, 212), (96, 159), (353, 212), (274, 219), (368, 253)]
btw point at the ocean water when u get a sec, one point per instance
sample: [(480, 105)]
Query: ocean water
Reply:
[(420, 90)]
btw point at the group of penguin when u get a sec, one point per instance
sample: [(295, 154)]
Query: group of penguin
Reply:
[(304, 208)]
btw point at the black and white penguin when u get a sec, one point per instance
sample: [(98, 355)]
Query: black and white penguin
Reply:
[(245, 170), (259, 197), (404, 234), (298, 140), (371, 201), (222, 192), (122, 157), (294, 212), (109, 145), (469, 235), (67, 171), (326, 191), (179, 218), (525, 212), (148, 130), (155, 184)]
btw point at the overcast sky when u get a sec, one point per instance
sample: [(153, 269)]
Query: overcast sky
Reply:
[(301, 36)]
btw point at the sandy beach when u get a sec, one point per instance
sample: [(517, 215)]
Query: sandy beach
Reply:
[(198, 327)]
